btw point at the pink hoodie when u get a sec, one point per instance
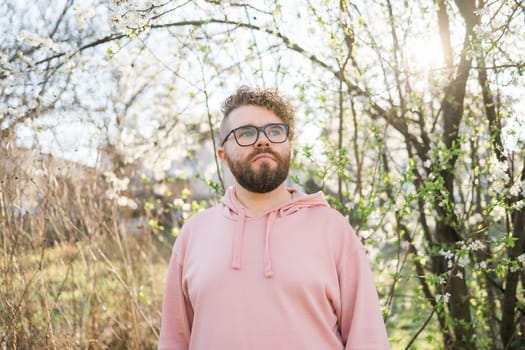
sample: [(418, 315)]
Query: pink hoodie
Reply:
[(295, 278)]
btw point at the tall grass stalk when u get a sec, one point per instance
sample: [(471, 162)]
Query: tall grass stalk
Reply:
[(71, 277)]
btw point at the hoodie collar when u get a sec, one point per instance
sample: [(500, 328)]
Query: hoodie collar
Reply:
[(233, 209)]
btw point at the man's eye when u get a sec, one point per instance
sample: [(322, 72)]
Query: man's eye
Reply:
[(275, 131), (245, 133)]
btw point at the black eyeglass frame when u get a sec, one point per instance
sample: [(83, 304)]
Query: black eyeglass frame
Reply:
[(259, 129)]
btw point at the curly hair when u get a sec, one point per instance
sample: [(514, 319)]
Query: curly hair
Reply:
[(267, 98)]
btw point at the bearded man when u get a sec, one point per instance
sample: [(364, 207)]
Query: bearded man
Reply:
[(270, 267)]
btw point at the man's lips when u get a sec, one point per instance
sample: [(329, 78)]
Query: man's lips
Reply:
[(262, 156)]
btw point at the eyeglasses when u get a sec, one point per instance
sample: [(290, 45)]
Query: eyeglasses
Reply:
[(248, 135)]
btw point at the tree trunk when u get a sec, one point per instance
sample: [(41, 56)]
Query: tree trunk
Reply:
[(509, 325), (447, 222)]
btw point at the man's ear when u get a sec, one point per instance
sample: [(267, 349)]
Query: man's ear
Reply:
[(221, 153)]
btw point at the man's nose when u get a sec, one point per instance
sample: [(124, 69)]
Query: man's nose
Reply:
[(262, 140)]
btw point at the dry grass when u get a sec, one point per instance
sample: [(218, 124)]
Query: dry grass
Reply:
[(70, 278)]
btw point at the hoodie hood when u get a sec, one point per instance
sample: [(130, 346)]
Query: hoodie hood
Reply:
[(234, 210)]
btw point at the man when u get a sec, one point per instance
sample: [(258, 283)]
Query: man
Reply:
[(270, 267)]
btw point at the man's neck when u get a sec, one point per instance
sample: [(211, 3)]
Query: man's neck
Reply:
[(260, 203)]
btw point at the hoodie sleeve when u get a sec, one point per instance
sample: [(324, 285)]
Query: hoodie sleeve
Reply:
[(177, 313), (361, 321)]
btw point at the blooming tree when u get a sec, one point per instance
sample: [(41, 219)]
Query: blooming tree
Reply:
[(409, 117)]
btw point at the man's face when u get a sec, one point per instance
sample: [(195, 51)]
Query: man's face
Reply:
[(263, 166)]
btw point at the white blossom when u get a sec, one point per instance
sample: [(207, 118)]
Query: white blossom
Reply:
[(482, 265), (485, 11), (518, 205), (178, 202), (118, 185), (499, 171), (83, 15), (475, 245), (513, 132), (475, 219), (445, 297), (463, 261), (36, 40), (446, 253), (498, 212), (400, 202), (515, 189), (126, 202)]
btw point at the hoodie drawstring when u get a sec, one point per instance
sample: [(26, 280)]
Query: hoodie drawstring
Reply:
[(268, 271), (235, 211), (237, 240)]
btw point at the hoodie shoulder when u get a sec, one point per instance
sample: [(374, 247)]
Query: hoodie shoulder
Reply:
[(193, 222), (203, 214), (301, 200)]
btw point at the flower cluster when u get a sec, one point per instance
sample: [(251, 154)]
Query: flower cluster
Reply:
[(473, 246), (518, 188), (461, 256), (499, 175), (445, 297), (475, 219), (35, 40), (115, 189)]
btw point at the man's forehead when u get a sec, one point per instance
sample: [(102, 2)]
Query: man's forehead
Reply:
[(251, 114)]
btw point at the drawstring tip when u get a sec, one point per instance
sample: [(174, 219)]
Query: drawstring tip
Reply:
[(268, 273), (236, 265)]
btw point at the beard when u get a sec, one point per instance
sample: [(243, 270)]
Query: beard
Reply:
[(261, 180)]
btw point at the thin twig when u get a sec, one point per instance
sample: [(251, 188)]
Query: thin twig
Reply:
[(427, 321)]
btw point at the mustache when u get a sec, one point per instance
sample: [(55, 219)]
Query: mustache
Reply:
[(266, 151)]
